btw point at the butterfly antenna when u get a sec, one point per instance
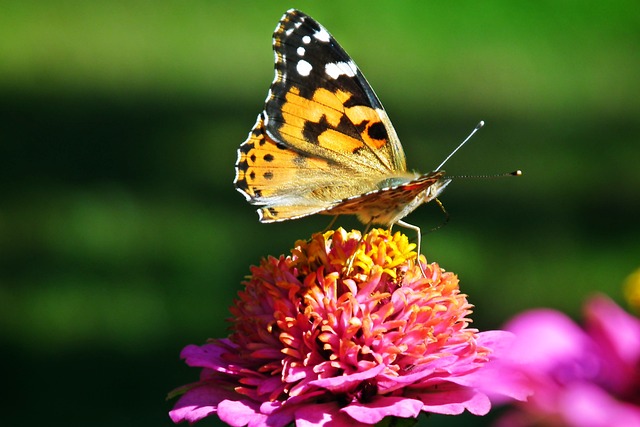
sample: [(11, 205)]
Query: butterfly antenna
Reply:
[(446, 215), (497, 175), (477, 128), (444, 222)]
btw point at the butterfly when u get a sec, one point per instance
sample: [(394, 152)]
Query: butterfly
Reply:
[(324, 144)]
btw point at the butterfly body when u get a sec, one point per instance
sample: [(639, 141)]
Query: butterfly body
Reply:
[(389, 205), (324, 144)]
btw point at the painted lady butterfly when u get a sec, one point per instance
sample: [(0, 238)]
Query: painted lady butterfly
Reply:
[(324, 143)]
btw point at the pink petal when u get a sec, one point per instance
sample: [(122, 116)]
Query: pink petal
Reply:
[(587, 405), (502, 382), (205, 356), (239, 413), (324, 414), (375, 411), (279, 419), (454, 400), (198, 403), (347, 382), (390, 383), (498, 341), (545, 337), (614, 328), (501, 377)]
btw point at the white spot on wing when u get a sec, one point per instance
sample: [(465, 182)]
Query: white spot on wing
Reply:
[(303, 68), (306, 39), (322, 35), (300, 51), (337, 69)]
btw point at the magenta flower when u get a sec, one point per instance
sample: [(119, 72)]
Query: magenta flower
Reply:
[(322, 343), (580, 377)]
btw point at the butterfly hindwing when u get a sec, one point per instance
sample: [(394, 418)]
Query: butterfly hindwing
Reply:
[(269, 173)]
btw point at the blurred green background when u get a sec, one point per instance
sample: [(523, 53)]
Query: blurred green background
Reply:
[(122, 238)]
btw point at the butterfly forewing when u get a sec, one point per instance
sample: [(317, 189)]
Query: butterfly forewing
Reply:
[(321, 104)]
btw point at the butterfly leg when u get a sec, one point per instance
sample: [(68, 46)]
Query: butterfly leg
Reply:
[(331, 224), (417, 230)]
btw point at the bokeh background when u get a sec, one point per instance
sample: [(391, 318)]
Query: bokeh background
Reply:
[(122, 238)]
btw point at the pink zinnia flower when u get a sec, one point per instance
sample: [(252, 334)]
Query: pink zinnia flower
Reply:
[(580, 377), (322, 343)]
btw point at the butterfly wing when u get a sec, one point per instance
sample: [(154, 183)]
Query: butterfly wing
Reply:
[(322, 105), (290, 184)]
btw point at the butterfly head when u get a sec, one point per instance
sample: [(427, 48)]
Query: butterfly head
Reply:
[(434, 190), (434, 184)]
